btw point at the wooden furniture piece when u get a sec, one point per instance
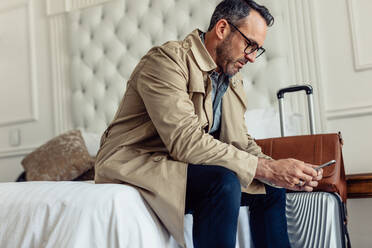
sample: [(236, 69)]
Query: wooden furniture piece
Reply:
[(359, 185)]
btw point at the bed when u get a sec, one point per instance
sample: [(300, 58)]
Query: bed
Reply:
[(84, 214), (104, 41)]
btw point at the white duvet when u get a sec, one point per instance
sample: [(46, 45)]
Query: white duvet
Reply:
[(83, 214)]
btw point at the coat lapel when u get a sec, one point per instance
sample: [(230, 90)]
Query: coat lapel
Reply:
[(208, 105), (236, 84), (206, 64)]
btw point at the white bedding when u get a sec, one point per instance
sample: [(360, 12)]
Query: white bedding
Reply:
[(83, 214)]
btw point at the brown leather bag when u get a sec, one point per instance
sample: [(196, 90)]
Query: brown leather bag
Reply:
[(314, 149)]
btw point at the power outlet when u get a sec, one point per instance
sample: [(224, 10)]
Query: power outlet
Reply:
[(15, 137)]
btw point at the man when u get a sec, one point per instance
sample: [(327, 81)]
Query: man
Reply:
[(179, 136)]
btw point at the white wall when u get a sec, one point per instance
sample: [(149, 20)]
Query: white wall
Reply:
[(25, 88), (330, 48), (348, 101), (345, 56)]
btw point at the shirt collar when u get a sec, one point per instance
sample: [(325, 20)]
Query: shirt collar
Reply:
[(202, 37)]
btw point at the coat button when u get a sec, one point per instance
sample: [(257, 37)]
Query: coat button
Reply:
[(186, 45), (234, 84), (158, 158)]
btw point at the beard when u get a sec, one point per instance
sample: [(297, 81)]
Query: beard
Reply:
[(224, 59)]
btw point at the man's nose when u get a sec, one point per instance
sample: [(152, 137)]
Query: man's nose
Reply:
[(251, 57)]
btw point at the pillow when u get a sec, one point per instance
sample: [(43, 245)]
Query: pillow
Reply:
[(64, 157)]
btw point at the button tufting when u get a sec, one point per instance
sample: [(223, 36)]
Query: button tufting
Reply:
[(92, 44), (126, 9)]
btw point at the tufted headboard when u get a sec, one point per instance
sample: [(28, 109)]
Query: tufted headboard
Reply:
[(107, 40)]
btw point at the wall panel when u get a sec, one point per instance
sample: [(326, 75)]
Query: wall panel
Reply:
[(18, 93), (25, 95), (360, 19)]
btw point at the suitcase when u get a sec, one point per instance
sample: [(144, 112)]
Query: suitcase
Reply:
[(315, 219)]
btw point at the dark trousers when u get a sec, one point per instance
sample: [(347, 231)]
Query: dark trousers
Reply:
[(213, 197)]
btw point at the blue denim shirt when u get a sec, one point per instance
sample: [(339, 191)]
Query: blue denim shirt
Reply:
[(220, 83)]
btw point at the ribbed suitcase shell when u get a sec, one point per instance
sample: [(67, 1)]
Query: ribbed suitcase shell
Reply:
[(314, 220)]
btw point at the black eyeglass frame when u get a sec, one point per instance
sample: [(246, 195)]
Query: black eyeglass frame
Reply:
[(254, 45)]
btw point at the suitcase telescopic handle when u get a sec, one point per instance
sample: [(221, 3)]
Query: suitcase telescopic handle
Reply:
[(305, 87), (309, 92)]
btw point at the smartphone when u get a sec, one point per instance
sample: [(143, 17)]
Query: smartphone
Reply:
[(326, 164)]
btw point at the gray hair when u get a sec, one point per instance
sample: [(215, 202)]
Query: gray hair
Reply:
[(235, 10)]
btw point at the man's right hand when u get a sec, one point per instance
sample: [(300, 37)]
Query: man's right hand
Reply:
[(288, 173)]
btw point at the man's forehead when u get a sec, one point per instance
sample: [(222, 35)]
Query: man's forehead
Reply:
[(254, 27)]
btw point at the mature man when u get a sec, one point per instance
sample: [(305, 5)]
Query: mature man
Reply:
[(179, 136)]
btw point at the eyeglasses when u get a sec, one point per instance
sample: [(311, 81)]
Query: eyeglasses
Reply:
[(251, 46)]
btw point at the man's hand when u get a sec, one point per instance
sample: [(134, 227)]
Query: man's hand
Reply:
[(315, 180), (289, 173)]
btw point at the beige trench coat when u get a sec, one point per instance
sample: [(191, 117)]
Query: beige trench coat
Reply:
[(162, 125)]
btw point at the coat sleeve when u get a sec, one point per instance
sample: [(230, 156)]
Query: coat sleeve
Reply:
[(255, 149), (162, 85)]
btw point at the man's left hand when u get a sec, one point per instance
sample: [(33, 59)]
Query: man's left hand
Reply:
[(313, 183)]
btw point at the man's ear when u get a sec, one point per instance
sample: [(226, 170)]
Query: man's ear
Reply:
[(222, 29)]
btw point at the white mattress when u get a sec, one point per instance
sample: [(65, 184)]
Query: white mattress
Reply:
[(82, 214)]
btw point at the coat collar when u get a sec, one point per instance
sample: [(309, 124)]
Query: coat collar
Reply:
[(201, 54), (207, 64)]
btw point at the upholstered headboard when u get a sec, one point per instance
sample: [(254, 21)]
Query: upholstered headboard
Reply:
[(106, 42)]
